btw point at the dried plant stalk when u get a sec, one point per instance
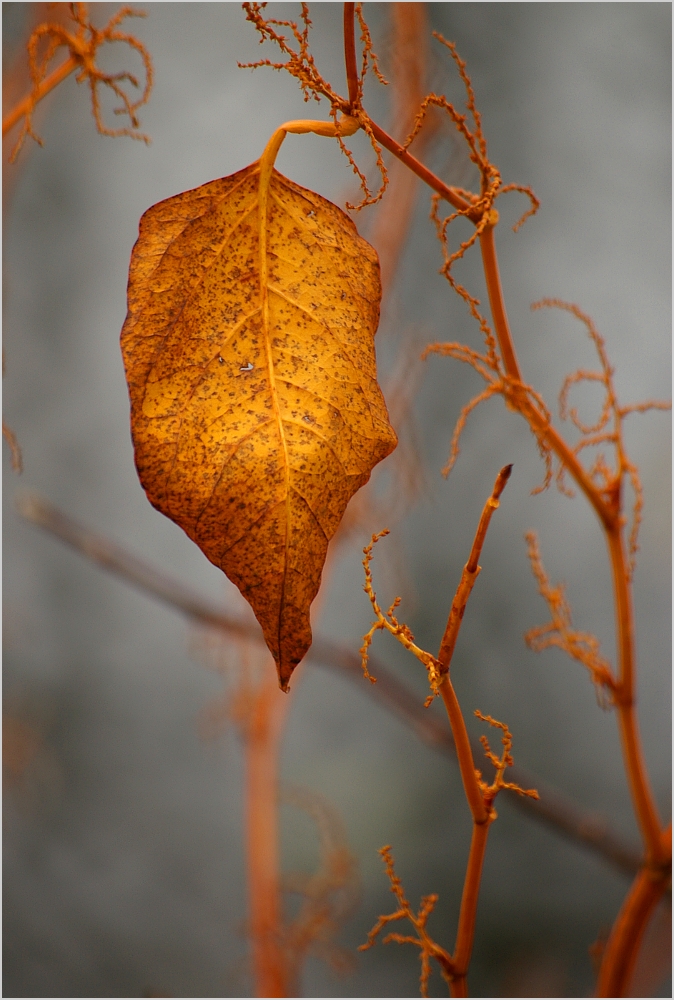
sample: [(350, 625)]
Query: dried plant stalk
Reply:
[(479, 795)]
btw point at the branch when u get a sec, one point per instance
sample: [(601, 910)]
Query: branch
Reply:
[(450, 194), (470, 573), (622, 949), (350, 53), (25, 106), (589, 830), (478, 806)]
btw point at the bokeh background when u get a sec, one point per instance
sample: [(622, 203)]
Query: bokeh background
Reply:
[(123, 827)]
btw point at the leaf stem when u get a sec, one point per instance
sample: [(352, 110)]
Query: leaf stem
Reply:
[(301, 126)]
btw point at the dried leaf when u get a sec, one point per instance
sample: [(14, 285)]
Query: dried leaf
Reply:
[(255, 409)]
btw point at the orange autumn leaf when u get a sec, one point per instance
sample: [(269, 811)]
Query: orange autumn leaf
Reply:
[(255, 409)]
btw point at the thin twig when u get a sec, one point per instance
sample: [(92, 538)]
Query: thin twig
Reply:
[(29, 102), (470, 573), (479, 796), (450, 194), (350, 53)]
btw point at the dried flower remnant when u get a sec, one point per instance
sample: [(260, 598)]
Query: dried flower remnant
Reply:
[(390, 623), (581, 646), (328, 897), (607, 428), (490, 791), (82, 44), (428, 948), (480, 209), (453, 967)]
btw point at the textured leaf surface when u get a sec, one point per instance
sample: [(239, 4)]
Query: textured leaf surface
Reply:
[(255, 409)]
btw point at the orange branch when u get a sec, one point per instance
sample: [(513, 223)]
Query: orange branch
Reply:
[(448, 193), (482, 814), (628, 929), (350, 53), (642, 795), (458, 987), (640, 787), (447, 646), (625, 938), (622, 947), (606, 503), (630, 924), (29, 102), (479, 795), (641, 901), (609, 515), (496, 301), (470, 573), (261, 735), (468, 912), (464, 753), (500, 318), (538, 422), (606, 514), (566, 456)]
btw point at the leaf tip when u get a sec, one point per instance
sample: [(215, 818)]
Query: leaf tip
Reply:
[(285, 667)]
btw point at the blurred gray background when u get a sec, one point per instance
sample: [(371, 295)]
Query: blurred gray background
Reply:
[(123, 836)]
